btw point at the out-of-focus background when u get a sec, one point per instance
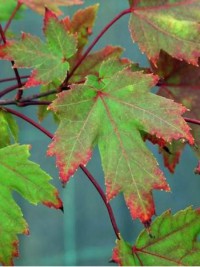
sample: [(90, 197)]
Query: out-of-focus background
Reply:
[(83, 235)]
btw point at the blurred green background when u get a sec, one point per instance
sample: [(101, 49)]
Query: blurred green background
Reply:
[(83, 235)]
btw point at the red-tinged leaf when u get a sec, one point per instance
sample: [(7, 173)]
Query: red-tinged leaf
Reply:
[(174, 242), (8, 129), (111, 110), (180, 82), (170, 25), (19, 174), (49, 60), (40, 5), (82, 23)]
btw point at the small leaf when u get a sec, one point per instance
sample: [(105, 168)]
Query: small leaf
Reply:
[(93, 62), (174, 242), (49, 59), (25, 177), (111, 110), (8, 129), (82, 23), (40, 5), (170, 25)]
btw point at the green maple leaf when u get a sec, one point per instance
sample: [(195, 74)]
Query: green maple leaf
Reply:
[(25, 177), (8, 129), (180, 82), (174, 242), (170, 25), (111, 110), (49, 60)]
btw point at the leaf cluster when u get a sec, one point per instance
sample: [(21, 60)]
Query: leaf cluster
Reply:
[(102, 99)]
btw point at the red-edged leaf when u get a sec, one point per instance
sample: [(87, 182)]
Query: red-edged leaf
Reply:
[(49, 60), (40, 5), (180, 82), (174, 242), (112, 109), (170, 25)]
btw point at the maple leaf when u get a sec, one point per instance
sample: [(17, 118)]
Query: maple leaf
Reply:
[(111, 110), (170, 25), (82, 23), (174, 242), (49, 59), (40, 5), (25, 177), (8, 129), (180, 82)]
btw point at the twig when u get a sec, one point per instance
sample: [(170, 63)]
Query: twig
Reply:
[(13, 79), (29, 120), (20, 92), (102, 194), (12, 16), (124, 12), (10, 89), (194, 121)]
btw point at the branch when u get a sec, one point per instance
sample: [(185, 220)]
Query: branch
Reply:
[(12, 16), (102, 194), (13, 79), (121, 14), (29, 120), (194, 121), (10, 89)]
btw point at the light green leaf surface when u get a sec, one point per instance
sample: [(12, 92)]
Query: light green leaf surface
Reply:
[(19, 174)]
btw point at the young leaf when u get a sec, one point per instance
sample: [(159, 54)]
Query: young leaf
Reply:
[(8, 129), (174, 242), (93, 62), (25, 177), (111, 110), (48, 59), (180, 82), (82, 23), (40, 5), (170, 25)]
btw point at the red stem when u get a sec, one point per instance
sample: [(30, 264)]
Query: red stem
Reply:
[(88, 174), (29, 120), (12, 16), (10, 89), (121, 14), (103, 196), (194, 121), (13, 79), (20, 92)]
